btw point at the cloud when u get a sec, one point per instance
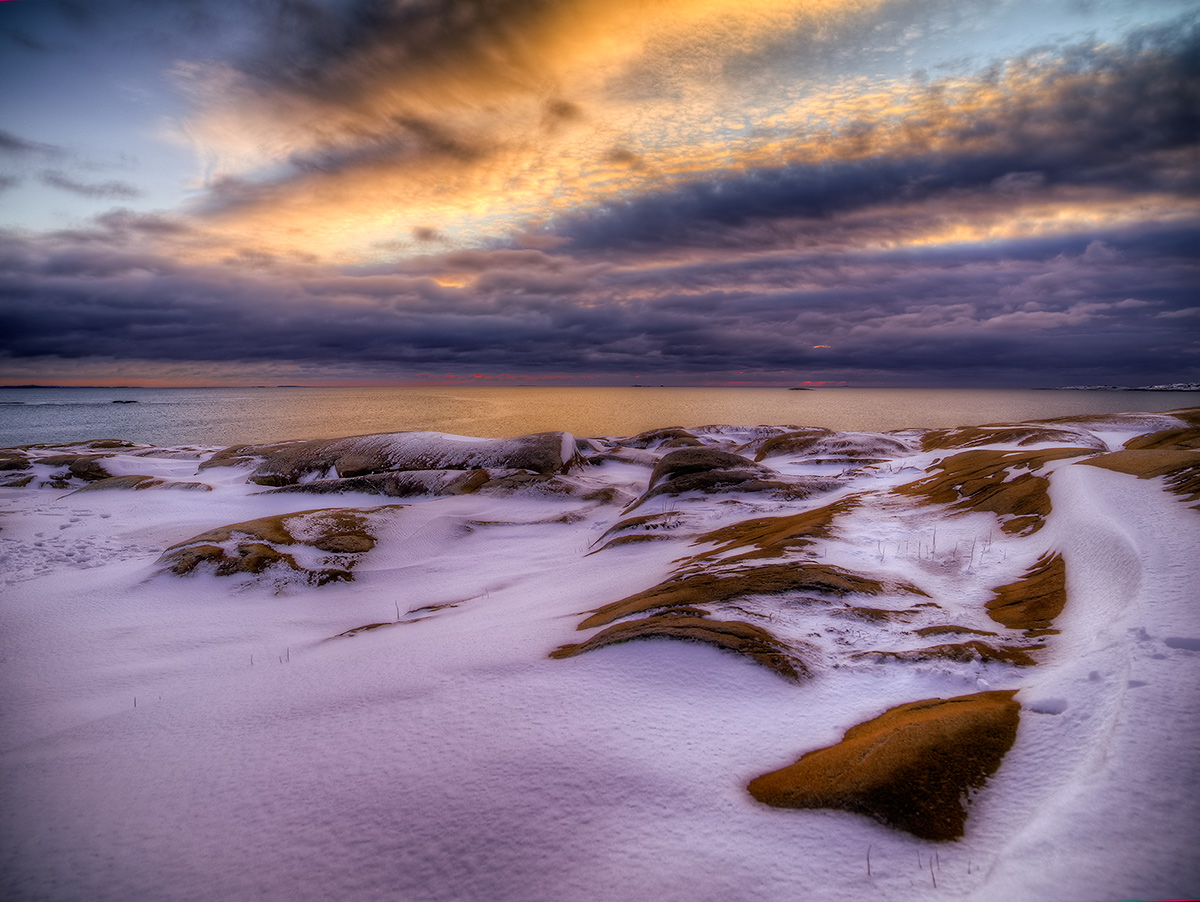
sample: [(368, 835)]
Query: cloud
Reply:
[(359, 143), (472, 117), (110, 189), (1072, 132), (14, 145), (970, 314)]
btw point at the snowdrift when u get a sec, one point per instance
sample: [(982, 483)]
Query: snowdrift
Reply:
[(717, 662)]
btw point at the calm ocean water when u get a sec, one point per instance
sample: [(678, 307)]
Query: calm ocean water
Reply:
[(226, 416)]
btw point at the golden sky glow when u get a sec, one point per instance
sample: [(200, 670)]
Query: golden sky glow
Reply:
[(592, 105), (835, 189)]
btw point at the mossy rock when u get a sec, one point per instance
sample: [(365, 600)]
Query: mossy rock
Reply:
[(911, 767)]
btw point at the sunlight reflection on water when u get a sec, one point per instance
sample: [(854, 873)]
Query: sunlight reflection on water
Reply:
[(225, 416)]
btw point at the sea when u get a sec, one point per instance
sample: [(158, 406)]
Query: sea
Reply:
[(219, 417)]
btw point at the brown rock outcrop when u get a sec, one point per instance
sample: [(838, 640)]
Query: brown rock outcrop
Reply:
[(767, 579), (251, 547), (1033, 601), (982, 480), (1179, 466), (909, 768), (745, 639)]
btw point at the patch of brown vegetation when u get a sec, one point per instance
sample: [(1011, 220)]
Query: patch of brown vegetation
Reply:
[(981, 480), (910, 768), (1181, 468), (962, 652), (731, 635), (1021, 434), (366, 628), (772, 537), (1033, 601), (768, 579)]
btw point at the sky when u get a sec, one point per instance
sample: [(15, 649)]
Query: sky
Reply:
[(600, 192)]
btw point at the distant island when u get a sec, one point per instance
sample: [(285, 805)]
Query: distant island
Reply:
[(1173, 386)]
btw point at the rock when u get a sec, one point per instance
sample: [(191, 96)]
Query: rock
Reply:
[(1021, 434), (766, 579), (910, 768), (982, 480), (88, 469), (1033, 601), (672, 436), (11, 461), (745, 639), (773, 537), (1179, 466), (406, 484), (290, 463), (963, 653), (686, 461), (834, 447), (251, 547), (138, 483)]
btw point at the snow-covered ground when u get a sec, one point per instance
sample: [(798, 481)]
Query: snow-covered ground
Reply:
[(205, 697)]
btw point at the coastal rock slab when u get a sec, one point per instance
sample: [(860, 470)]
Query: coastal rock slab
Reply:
[(910, 768), (290, 463), (745, 639), (318, 547), (1033, 601)]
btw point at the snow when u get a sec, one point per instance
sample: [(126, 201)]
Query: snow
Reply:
[(442, 755)]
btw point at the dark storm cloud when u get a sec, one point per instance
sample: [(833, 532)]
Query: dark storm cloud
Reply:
[(338, 52), (1121, 119), (1120, 307), (110, 189)]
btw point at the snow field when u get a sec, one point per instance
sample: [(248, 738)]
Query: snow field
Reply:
[(444, 756)]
